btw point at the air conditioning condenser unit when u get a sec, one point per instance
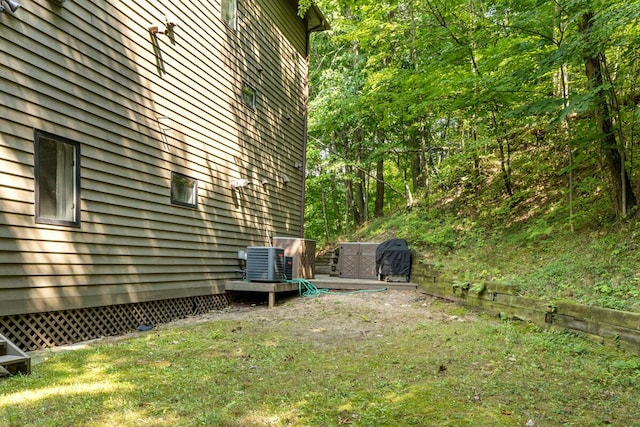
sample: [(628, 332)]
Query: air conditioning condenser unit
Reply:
[(265, 264)]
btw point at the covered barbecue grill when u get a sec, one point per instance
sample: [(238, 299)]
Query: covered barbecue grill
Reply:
[(393, 261)]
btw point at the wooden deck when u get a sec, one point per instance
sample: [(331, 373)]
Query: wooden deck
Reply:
[(320, 282)]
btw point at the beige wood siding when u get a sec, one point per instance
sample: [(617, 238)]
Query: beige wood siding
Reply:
[(142, 107)]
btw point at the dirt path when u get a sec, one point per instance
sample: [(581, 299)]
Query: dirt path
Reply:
[(323, 319)]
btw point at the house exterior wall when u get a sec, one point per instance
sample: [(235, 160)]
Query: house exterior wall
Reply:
[(142, 107)]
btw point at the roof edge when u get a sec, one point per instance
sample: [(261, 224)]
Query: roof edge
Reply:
[(316, 21)]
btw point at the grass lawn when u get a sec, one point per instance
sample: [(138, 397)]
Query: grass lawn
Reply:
[(369, 359)]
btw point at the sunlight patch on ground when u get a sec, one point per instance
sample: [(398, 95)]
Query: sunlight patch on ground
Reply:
[(136, 418), (30, 396), (271, 419)]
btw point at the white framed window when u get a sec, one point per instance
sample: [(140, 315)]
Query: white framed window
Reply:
[(184, 190), (57, 179), (249, 96), (230, 13)]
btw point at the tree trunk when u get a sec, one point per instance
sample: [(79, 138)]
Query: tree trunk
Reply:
[(359, 205), (419, 158), (324, 215), (426, 156), (408, 195), (561, 90), (613, 156), (505, 155), (417, 168), (348, 199), (348, 184), (477, 172), (379, 202)]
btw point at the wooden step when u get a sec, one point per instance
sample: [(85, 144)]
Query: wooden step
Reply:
[(13, 365), (7, 360), (327, 263), (12, 359)]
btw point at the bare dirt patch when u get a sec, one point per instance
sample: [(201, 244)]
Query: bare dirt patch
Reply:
[(325, 320), (339, 315)]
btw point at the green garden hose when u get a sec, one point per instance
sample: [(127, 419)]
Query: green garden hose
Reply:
[(307, 289)]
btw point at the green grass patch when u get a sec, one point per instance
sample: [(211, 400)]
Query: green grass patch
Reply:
[(332, 364)]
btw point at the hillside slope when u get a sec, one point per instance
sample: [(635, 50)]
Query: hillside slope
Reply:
[(591, 260)]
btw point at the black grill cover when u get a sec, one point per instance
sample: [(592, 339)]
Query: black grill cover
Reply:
[(393, 258)]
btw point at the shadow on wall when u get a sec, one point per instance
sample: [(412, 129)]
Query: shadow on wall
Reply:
[(95, 80), (271, 67)]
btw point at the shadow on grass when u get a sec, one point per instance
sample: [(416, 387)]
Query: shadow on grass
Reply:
[(332, 363)]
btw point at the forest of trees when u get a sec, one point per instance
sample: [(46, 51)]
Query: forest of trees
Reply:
[(502, 102)]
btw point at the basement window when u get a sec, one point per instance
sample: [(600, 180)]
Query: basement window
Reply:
[(184, 190), (249, 96), (57, 180)]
